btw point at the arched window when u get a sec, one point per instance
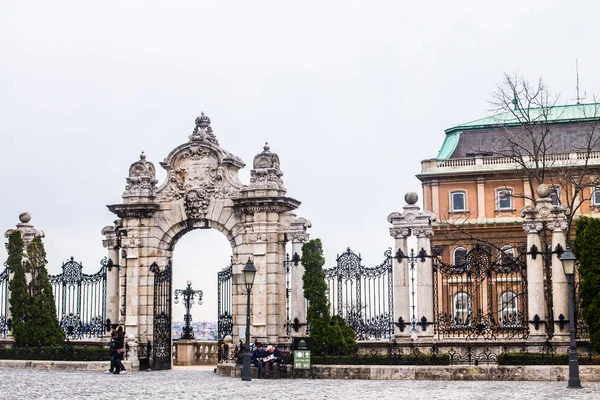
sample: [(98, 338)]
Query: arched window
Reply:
[(509, 309), (461, 309), (506, 256), (458, 201), (459, 256)]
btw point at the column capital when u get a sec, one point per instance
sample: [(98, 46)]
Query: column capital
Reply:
[(423, 231), (400, 233), (533, 226)]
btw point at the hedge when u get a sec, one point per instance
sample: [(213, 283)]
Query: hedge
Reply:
[(63, 353)]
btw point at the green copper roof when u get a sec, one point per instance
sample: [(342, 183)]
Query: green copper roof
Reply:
[(450, 142), (556, 115)]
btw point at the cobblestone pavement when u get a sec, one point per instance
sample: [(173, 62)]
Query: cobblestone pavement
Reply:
[(25, 384)]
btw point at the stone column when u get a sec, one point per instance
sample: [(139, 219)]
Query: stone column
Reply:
[(535, 279), (560, 288), (419, 223), (111, 243), (424, 281), (401, 283), (298, 302)]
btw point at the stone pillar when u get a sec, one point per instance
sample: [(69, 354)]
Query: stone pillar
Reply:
[(544, 215), (424, 281), (298, 302), (419, 223), (535, 279), (401, 283), (111, 243), (560, 288)]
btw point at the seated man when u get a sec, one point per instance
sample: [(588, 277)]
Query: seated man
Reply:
[(273, 359), (257, 359)]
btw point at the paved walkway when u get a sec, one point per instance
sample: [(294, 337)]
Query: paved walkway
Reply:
[(204, 384)]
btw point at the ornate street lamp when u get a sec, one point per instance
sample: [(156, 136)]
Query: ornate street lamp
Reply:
[(188, 299), (568, 261), (249, 273)]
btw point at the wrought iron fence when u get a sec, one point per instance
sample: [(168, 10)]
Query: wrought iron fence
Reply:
[(80, 300), (4, 320), (481, 298), (363, 296), (224, 310)]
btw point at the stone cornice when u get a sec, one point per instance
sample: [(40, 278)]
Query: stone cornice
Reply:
[(250, 205), (134, 210)]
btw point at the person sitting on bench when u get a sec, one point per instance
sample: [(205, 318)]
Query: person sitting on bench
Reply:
[(272, 359), (257, 359)]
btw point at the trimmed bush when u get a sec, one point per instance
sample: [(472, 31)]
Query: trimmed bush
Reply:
[(62, 353)]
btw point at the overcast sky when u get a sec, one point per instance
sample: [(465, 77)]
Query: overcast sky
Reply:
[(352, 95)]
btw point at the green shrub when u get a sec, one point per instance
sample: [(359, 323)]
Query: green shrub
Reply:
[(587, 251), (331, 335), (56, 353)]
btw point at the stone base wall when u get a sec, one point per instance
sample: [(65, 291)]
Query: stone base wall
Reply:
[(99, 366), (587, 373)]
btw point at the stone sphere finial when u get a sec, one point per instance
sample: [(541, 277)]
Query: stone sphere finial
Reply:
[(25, 217), (143, 156), (411, 198), (543, 191), (266, 147)]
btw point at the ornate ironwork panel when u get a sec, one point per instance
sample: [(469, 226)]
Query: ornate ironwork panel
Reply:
[(481, 298), (363, 296), (4, 320), (80, 300), (224, 287), (161, 346)]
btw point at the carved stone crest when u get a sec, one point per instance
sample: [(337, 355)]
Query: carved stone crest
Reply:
[(196, 203)]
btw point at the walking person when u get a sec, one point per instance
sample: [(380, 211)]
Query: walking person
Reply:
[(119, 351), (111, 348)]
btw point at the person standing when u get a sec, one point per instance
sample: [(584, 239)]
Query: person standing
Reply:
[(119, 351)]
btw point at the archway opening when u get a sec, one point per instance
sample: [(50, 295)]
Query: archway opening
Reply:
[(198, 256)]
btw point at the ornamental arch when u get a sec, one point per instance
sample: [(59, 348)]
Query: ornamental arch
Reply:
[(203, 190)]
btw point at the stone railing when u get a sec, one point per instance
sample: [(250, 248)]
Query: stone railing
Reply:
[(204, 353), (499, 163)]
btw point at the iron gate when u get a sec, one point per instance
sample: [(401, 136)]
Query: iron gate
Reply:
[(224, 287), (481, 298), (363, 296), (4, 320), (162, 348), (80, 300)]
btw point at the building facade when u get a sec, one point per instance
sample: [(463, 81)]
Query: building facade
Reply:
[(506, 192)]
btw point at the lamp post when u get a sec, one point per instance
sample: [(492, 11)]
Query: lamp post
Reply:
[(249, 272), (568, 261), (188, 299)]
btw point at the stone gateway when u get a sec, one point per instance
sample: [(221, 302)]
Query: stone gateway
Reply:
[(203, 190)]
